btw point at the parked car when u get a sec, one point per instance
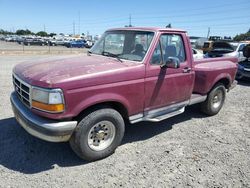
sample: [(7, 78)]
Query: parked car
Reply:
[(11, 38), (219, 48), (207, 46), (86, 100), (244, 66), (57, 42), (238, 51), (2, 37), (75, 44), (34, 41), (193, 41), (20, 40), (89, 44), (225, 49), (197, 54)]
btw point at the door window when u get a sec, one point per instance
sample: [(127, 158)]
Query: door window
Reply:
[(170, 46)]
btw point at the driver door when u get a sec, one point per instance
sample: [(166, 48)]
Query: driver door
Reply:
[(168, 86)]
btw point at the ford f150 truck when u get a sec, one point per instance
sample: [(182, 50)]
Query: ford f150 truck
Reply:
[(130, 74)]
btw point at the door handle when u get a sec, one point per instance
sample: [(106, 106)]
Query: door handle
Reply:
[(186, 70)]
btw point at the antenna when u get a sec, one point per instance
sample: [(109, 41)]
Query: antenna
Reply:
[(208, 32), (74, 28), (130, 21)]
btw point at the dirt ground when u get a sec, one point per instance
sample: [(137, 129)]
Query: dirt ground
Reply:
[(13, 48), (189, 150)]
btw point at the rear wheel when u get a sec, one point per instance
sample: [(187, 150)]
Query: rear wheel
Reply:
[(98, 134), (215, 100)]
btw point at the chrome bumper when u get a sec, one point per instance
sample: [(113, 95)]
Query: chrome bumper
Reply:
[(43, 128)]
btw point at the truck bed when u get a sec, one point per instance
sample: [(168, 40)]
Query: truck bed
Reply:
[(209, 71)]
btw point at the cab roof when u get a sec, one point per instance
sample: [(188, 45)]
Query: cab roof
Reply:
[(152, 29)]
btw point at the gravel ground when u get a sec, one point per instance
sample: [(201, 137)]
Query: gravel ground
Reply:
[(189, 150), (15, 48)]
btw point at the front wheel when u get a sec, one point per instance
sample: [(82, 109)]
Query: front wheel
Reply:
[(98, 134), (215, 100)]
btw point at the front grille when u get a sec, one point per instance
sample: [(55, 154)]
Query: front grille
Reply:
[(23, 90)]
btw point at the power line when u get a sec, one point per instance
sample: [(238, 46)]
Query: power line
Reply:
[(119, 17)]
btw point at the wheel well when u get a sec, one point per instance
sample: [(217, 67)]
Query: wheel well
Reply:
[(225, 82), (115, 105)]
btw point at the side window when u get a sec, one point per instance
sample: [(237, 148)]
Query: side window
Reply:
[(156, 58), (172, 46)]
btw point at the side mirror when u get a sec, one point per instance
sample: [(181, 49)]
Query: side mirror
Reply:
[(172, 62)]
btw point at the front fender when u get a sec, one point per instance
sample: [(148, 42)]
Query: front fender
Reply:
[(101, 98)]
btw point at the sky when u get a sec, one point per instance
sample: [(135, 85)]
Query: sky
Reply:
[(224, 18)]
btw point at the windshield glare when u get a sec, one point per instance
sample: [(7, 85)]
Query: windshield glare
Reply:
[(129, 45)]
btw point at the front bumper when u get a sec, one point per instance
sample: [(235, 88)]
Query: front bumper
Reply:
[(43, 128)]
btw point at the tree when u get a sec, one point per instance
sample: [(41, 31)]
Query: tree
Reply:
[(52, 34), (24, 32), (42, 34), (3, 32), (242, 37)]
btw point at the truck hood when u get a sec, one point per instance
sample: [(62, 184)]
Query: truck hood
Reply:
[(53, 71)]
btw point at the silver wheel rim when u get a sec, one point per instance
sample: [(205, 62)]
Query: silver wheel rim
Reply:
[(101, 135), (217, 99)]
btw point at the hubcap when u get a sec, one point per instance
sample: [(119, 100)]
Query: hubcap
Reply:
[(101, 135), (217, 100)]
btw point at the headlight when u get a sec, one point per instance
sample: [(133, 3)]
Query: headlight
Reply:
[(49, 100)]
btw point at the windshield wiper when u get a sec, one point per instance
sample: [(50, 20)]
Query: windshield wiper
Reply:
[(109, 54)]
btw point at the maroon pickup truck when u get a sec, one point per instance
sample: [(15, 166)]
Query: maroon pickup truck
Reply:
[(130, 74)]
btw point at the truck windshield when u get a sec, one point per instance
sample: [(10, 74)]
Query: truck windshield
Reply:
[(129, 45)]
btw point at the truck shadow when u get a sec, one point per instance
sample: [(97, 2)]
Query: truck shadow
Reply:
[(26, 154), (146, 130)]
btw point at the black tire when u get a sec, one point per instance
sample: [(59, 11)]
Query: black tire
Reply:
[(215, 100), (90, 141)]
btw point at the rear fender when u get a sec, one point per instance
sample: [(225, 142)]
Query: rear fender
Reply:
[(224, 78)]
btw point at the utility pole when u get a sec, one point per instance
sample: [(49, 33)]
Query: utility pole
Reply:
[(208, 32), (44, 28), (79, 22), (130, 25), (74, 28)]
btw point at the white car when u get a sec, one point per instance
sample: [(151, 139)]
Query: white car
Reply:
[(197, 54), (238, 51)]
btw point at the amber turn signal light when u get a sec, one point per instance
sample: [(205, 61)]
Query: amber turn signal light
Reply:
[(48, 107)]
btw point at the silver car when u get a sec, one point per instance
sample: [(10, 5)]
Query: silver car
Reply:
[(238, 51)]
